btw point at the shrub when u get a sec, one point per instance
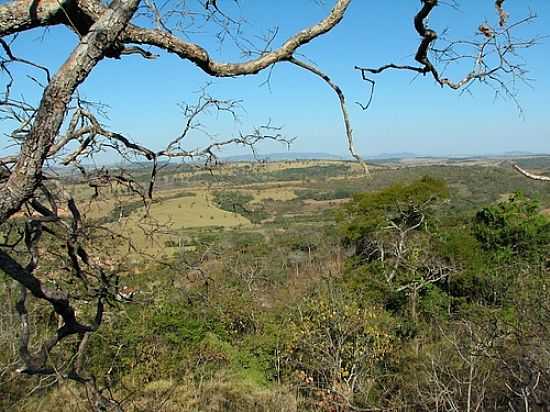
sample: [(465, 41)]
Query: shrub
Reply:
[(513, 227), (336, 348)]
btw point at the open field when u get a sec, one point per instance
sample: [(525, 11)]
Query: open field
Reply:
[(260, 197), (283, 193), (195, 211)]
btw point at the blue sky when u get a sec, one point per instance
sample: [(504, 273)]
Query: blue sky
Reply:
[(408, 113)]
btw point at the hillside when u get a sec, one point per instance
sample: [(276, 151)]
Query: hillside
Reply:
[(241, 277)]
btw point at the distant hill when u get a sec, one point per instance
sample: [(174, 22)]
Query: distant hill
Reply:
[(398, 155), (290, 156), (277, 157), (409, 155)]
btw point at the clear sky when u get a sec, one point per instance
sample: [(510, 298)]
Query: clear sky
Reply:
[(408, 113)]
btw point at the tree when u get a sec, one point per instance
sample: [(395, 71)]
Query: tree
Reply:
[(391, 233), (514, 227), (36, 212), (478, 340), (491, 354)]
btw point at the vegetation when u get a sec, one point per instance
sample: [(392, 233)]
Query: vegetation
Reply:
[(150, 285), (401, 298), (238, 202)]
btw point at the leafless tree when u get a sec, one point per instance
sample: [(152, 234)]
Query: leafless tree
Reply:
[(489, 365), (490, 58), (454, 376), (48, 244)]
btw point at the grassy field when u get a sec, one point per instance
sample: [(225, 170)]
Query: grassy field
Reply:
[(167, 218), (280, 193), (196, 211), (287, 193)]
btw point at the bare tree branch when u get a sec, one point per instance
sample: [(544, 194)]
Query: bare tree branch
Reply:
[(531, 175), (27, 171), (492, 54), (343, 108)]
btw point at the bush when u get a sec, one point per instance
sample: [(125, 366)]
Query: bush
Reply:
[(398, 204), (238, 202), (337, 347), (513, 227)]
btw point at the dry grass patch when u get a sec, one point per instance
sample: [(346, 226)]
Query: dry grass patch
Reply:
[(172, 215), (215, 395), (281, 194), (196, 211)]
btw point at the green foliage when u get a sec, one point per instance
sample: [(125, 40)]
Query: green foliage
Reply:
[(238, 202), (338, 344), (369, 211), (182, 332), (232, 201), (513, 227), (178, 325), (244, 241), (321, 195), (305, 240), (383, 333), (393, 263), (315, 172), (488, 307), (177, 195)]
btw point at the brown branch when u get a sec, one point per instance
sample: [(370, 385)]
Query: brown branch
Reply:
[(60, 303), (488, 46), (202, 59), (26, 175), (138, 50), (503, 16), (428, 37), (18, 16)]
